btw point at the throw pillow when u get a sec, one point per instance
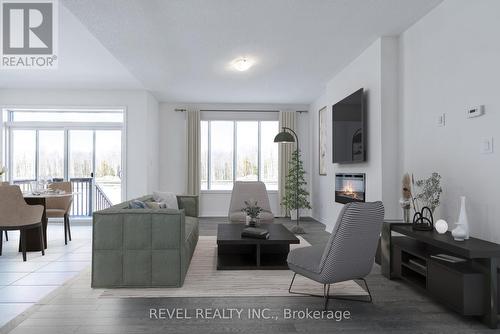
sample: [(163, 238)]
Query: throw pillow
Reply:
[(153, 205), (166, 197), (136, 204)]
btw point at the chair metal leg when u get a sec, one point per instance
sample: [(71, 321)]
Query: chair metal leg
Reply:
[(291, 283), (42, 245), (69, 227), (6, 236), (357, 298), (368, 290), (23, 243), (326, 293), (65, 231)]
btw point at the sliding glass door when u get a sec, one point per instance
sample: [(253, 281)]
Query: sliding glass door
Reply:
[(90, 158), (23, 155), (50, 154)]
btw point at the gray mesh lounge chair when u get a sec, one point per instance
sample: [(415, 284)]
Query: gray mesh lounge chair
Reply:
[(348, 255)]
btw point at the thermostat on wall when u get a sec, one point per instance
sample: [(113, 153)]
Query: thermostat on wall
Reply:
[(475, 111)]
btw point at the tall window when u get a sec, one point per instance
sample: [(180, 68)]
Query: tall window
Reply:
[(238, 150)]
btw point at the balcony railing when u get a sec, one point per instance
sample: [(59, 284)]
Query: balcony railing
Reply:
[(86, 198), (101, 199), (82, 198)]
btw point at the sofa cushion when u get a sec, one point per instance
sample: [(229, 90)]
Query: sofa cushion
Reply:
[(169, 198)]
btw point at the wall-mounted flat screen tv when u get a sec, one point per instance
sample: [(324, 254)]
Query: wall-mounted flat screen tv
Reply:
[(349, 129)]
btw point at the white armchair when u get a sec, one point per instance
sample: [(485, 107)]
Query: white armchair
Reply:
[(245, 191)]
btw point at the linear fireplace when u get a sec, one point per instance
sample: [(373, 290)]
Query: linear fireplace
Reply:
[(349, 187)]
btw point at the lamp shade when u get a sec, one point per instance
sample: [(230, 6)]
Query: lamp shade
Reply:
[(284, 137)]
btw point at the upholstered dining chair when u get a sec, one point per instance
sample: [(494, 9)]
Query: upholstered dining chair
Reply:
[(58, 207), (4, 183), (246, 191), (15, 214), (349, 253)]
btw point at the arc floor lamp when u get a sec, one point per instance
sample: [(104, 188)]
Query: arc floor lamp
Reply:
[(285, 136)]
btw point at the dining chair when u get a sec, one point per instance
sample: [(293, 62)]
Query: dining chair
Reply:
[(58, 207), (5, 183), (17, 215), (349, 253)]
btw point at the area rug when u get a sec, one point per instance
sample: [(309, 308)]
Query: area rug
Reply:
[(204, 280)]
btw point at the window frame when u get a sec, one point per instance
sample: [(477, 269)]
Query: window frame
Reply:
[(235, 152)]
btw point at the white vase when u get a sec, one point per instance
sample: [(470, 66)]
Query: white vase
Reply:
[(462, 218), (459, 233), (293, 214)]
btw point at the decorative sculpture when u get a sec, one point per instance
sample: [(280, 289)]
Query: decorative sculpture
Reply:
[(423, 220)]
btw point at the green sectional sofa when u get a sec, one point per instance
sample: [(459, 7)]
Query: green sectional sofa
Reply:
[(144, 247)]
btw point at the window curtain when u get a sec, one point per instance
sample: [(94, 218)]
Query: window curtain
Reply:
[(288, 119), (193, 152)]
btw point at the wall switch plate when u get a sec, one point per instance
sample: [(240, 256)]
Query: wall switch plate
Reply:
[(475, 111), (441, 120), (487, 145)]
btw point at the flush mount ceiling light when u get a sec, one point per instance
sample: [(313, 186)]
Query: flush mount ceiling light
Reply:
[(242, 64)]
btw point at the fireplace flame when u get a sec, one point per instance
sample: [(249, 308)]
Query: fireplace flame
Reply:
[(348, 190)]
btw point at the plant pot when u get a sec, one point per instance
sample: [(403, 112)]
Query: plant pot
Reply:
[(293, 215), (252, 222)]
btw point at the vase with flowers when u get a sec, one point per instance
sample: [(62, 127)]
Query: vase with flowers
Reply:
[(424, 195), (252, 211)]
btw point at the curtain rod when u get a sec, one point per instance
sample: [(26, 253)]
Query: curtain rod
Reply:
[(236, 110)]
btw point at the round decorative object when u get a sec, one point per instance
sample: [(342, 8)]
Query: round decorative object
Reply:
[(441, 226)]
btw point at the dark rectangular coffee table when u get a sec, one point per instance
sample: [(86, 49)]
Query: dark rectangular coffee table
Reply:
[(237, 253)]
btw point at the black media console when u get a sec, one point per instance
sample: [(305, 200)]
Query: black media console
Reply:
[(469, 288)]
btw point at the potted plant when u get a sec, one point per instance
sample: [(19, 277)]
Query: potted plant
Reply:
[(295, 187), (430, 191), (253, 211)]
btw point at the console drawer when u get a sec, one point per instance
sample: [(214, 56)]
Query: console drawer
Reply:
[(458, 286)]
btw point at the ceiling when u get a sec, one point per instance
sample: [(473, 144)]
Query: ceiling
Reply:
[(180, 49), (83, 63)]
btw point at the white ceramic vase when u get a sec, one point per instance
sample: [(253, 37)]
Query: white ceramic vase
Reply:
[(459, 233), (462, 218), (293, 214)]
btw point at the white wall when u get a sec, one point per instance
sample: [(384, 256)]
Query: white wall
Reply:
[(173, 161), (153, 137), (450, 62), (142, 112), (376, 71)]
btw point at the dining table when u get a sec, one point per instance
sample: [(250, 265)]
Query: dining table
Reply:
[(33, 235)]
